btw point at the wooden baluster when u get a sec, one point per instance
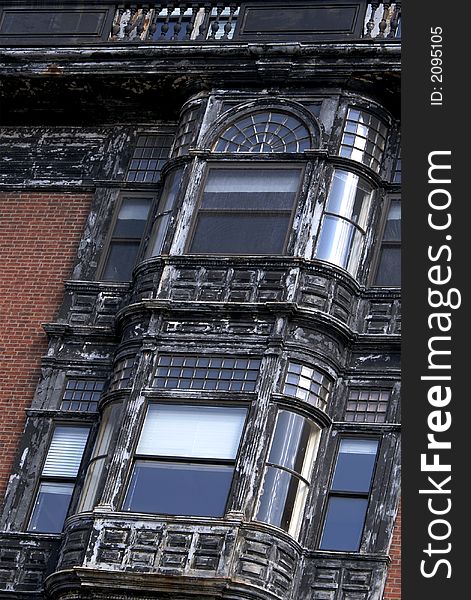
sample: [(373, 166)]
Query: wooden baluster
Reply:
[(228, 25), (141, 20), (384, 21), (191, 24), (371, 23), (130, 26), (205, 24), (215, 23), (153, 24), (117, 22), (166, 26), (395, 20), (178, 24)]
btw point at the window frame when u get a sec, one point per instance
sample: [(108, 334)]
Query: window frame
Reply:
[(241, 163), (58, 479), (139, 457), (329, 493), (380, 243), (150, 193)]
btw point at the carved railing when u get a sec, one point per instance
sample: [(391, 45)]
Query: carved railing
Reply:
[(175, 21), (383, 20), (217, 21)]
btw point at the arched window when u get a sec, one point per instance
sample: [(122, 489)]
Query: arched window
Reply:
[(267, 131), (247, 208)]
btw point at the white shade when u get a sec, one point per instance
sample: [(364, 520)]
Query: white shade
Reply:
[(65, 452), (350, 446), (192, 431)]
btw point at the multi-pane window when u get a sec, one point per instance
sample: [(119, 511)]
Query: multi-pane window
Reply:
[(397, 173), (186, 134), (121, 374), (82, 394), (268, 131), (364, 138), (185, 459), (367, 406), (245, 211), (388, 271), (58, 478), (128, 229), (349, 494), (149, 156), (187, 372), (343, 225), (288, 471), (308, 384)]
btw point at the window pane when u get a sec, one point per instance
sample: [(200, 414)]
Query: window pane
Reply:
[(355, 464), (389, 268), (282, 501), (90, 486), (349, 197), (179, 489), (132, 217), (192, 431), (294, 442), (65, 452), (240, 234), (339, 243), (256, 189), (51, 506), (392, 231), (121, 260), (344, 524)]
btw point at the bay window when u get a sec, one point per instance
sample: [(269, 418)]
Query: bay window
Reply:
[(388, 270), (185, 459)]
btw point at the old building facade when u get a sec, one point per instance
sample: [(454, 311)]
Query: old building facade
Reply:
[(201, 206)]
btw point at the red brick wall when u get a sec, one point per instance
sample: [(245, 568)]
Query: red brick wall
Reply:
[(392, 590), (39, 236)]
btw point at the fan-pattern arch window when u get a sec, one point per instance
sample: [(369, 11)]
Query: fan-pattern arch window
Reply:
[(247, 208), (267, 131)]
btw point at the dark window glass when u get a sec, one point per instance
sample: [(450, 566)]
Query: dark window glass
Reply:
[(367, 406), (344, 523), (389, 266), (51, 506), (245, 211), (349, 493), (354, 467), (126, 239), (179, 489)]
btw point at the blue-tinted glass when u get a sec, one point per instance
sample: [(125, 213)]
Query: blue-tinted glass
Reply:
[(344, 524), (355, 464), (121, 260), (50, 509), (179, 489)]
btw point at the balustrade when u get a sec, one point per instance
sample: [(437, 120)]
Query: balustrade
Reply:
[(217, 21)]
